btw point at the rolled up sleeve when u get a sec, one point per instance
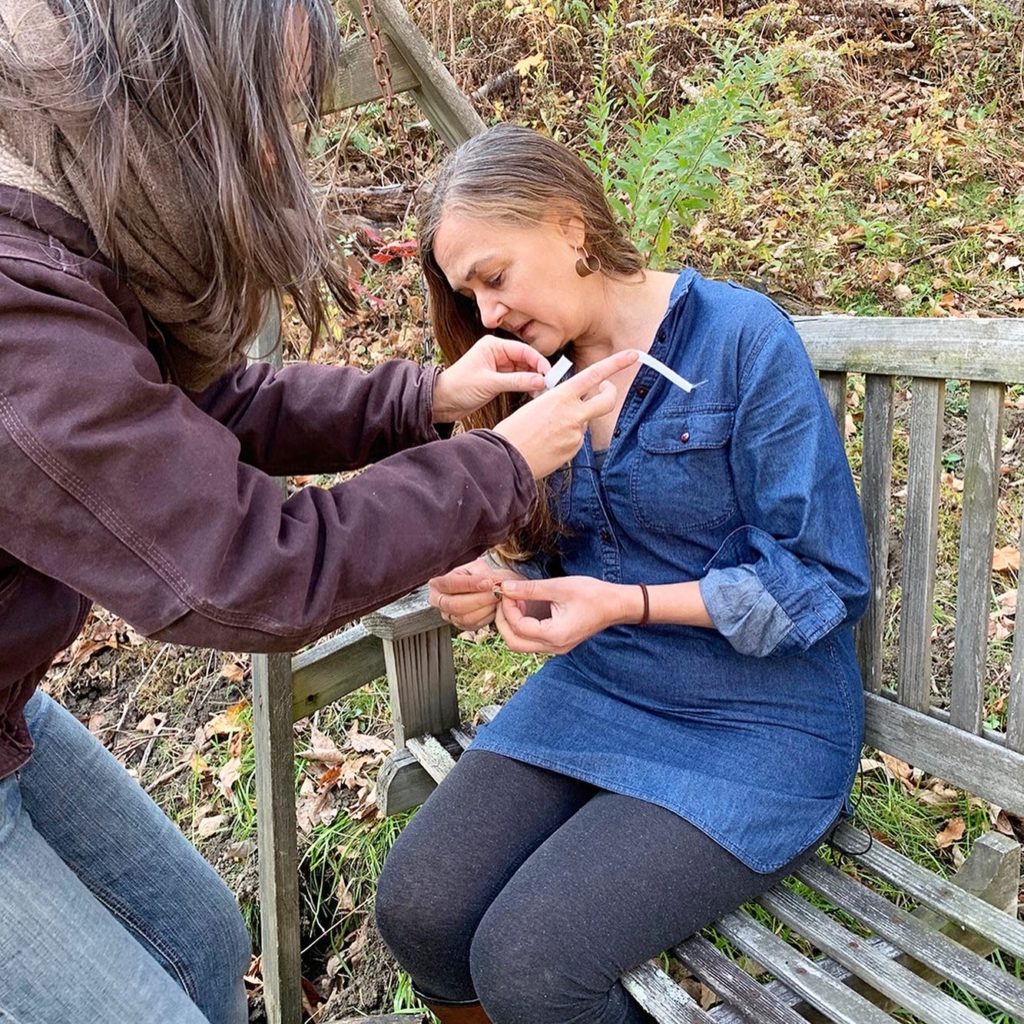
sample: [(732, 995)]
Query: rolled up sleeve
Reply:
[(798, 570)]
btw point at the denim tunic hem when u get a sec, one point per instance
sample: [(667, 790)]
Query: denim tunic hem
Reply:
[(764, 867)]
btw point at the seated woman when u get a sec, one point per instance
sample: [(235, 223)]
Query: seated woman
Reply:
[(703, 561)]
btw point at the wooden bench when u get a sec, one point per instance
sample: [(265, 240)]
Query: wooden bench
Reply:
[(857, 977)]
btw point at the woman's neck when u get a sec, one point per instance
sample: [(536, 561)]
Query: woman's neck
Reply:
[(627, 316)]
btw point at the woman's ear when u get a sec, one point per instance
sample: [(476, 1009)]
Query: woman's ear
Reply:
[(571, 224)]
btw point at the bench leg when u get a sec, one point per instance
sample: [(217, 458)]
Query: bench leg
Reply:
[(278, 844)]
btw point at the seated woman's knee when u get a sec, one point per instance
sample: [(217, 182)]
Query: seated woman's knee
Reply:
[(522, 978), (414, 907)]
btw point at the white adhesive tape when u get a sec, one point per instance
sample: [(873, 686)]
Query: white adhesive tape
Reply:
[(564, 365), (557, 372)]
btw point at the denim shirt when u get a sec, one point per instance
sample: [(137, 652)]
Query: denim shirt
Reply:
[(751, 731)]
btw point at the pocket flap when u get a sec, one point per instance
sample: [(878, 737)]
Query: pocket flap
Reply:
[(683, 432)]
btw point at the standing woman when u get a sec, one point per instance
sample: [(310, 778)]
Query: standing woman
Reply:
[(699, 567), (152, 200)]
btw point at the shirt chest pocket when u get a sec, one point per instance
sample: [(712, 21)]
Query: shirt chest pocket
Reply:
[(680, 480)]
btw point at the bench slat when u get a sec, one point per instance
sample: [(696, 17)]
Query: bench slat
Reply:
[(436, 761), (463, 737), (920, 543), (357, 83), (662, 998), (975, 763), (943, 897), (887, 976), (816, 986), (834, 386), (733, 983), (932, 948), (977, 542), (334, 668), (1015, 706), (876, 499), (989, 349)]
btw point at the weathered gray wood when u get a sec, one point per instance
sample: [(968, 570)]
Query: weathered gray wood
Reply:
[(946, 898), (357, 79), (990, 349), (991, 872), (464, 737), (947, 957), (277, 846), (403, 783), (755, 1002), (977, 542), (436, 761), (831, 997), (407, 616), (875, 500), (334, 668), (974, 763), (920, 541), (662, 998), (421, 684), (276, 837), (450, 113), (892, 979), (1015, 704), (834, 386)]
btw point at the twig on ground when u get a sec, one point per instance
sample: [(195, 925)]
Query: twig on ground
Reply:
[(171, 772), (138, 687)]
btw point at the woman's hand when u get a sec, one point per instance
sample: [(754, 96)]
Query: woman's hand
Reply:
[(580, 606), (465, 596), (490, 368), (548, 431)]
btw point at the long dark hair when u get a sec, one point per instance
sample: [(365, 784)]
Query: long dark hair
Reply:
[(512, 174), (210, 82)]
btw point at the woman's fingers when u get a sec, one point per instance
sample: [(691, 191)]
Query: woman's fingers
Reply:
[(601, 402), (459, 581), (515, 355), (520, 381), (589, 380)]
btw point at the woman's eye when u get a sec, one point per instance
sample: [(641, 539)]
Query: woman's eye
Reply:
[(495, 281)]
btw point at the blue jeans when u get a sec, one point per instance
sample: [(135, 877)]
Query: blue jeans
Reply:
[(108, 915)]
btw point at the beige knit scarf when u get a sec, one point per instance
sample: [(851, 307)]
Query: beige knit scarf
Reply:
[(159, 234)]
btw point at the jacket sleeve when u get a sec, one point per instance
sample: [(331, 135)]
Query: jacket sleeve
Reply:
[(118, 485), (798, 570), (322, 419)]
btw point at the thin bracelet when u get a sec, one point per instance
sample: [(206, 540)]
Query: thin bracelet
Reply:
[(646, 617)]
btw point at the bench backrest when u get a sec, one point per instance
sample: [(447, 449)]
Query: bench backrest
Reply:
[(933, 720)]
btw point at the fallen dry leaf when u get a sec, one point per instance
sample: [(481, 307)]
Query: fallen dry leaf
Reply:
[(362, 741), (898, 770), (1006, 559), (322, 748), (232, 671), (227, 722), (229, 775), (952, 833), (207, 826)]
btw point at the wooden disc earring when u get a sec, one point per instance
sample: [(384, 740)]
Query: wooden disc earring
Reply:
[(586, 263)]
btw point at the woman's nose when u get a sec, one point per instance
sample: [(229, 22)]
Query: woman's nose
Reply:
[(492, 313)]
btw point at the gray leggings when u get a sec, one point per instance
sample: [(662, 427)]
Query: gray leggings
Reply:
[(533, 892)]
